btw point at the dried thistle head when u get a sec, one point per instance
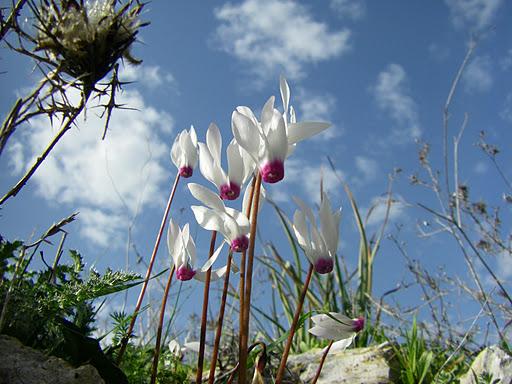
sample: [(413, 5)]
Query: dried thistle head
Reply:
[(85, 39)]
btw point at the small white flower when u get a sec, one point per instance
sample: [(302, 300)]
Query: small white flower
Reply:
[(319, 245), (183, 251), (184, 152), (336, 326), (270, 140), (240, 165), (232, 224)]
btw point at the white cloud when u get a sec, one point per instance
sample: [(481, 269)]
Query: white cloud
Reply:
[(506, 111), (107, 178), (478, 75), (378, 209), (392, 96), (275, 36), (476, 14), (353, 9), (16, 157), (504, 261), (368, 169), (300, 173), (101, 227), (150, 76), (318, 108), (481, 168), (506, 61)]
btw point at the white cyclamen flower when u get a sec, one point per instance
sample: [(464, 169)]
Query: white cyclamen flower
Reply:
[(184, 152), (336, 326), (270, 140), (232, 224), (183, 251), (240, 165), (319, 245)]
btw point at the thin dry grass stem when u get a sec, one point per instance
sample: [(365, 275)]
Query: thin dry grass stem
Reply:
[(125, 339), (298, 311), (154, 368), (244, 332), (321, 365), (220, 320), (456, 141), (446, 113), (52, 278), (204, 315)]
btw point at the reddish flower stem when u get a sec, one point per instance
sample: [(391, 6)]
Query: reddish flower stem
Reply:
[(154, 369), (204, 316), (324, 356), (125, 339), (298, 311), (220, 320), (242, 370), (242, 341)]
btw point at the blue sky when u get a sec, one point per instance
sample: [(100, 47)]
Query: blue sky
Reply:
[(380, 72)]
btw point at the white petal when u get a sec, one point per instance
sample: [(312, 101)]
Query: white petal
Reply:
[(301, 229), (285, 93), (304, 208), (207, 197), (214, 142), (241, 219), (209, 219), (246, 134), (247, 112), (303, 130), (209, 168), (189, 150), (176, 152), (235, 163), (267, 114), (323, 332), (293, 117), (341, 345), (328, 223), (212, 259), (193, 135), (173, 233), (276, 136)]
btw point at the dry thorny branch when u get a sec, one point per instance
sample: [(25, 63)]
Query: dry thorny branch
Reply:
[(74, 45)]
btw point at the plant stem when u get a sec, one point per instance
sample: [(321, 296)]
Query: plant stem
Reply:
[(298, 311), (204, 316), (243, 262), (242, 370), (154, 369), (66, 127), (58, 255), (220, 320), (125, 339), (324, 356)]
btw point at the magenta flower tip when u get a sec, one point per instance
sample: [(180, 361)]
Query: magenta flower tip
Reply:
[(324, 265), (185, 273), (240, 244), (186, 171), (358, 324), (229, 191), (272, 172)]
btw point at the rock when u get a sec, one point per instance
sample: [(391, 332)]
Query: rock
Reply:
[(354, 366), (23, 365), (492, 361)]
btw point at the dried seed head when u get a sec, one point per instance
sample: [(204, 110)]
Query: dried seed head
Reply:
[(85, 41)]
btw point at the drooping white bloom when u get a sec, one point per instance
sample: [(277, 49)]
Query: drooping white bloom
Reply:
[(319, 245), (240, 165), (183, 251), (184, 152), (270, 140), (336, 326), (232, 224)]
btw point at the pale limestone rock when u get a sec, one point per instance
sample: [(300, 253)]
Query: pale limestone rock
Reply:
[(354, 366), (23, 365), (494, 361)]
